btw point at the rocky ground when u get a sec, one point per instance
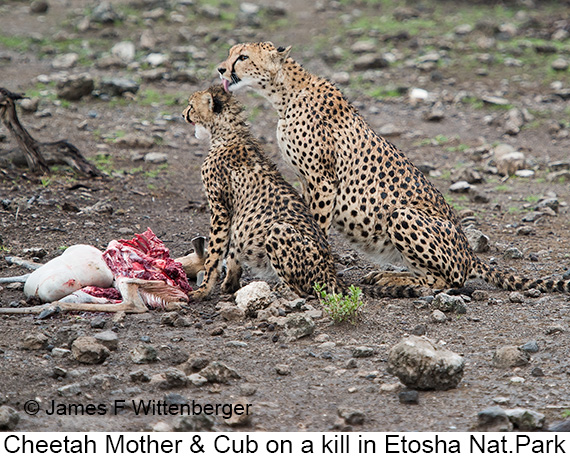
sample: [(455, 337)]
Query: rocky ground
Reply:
[(475, 94)]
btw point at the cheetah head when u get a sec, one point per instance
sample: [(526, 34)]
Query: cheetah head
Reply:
[(208, 108), (252, 65)]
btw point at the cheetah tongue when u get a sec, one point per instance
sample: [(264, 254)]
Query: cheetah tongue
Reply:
[(226, 85)]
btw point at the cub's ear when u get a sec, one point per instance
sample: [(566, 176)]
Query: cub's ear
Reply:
[(207, 100), (283, 53)]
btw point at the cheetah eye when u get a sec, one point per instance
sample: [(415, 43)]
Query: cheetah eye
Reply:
[(242, 57)]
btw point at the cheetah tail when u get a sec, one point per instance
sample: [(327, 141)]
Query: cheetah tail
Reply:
[(404, 291), (506, 280)]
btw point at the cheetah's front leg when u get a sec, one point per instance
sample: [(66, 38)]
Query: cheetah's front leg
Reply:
[(217, 248)]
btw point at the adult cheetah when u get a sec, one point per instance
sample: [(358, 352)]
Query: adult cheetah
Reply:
[(359, 181), (257, 218)]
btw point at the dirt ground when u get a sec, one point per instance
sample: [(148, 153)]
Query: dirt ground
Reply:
[(322, 381)]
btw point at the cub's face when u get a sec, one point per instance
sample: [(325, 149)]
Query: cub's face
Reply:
[(251, 64), (200, 114)]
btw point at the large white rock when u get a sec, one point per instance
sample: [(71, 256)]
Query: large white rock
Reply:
[(420, 364)]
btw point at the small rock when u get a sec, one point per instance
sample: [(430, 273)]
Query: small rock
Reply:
[(494, 419), (525, 419), (135, 141), (39, 7), (435, 114), (9, 418), (88, 350), (492, 100), (533, 293), (516, 297), (555, 329), (139, 376), (194, 423), (70, 390), (449, 303), (143, 353), (510, 356), (174, 378), (370, 62), (460, 187), (514, 122), (118, 86), (298, 326), (525, 230), (419, 330), (508, 164), (65, 61), (35, 341), (173, 319), (516, 380), (218, 330), (253, 297), (524, 173), (103, 13), (463, 29), (197, 380), (530, 346), (156, 157), (560, 64), (351, 416), (75, 87), (242, 415), (98, 322), (409, 397), (552, 203), (230, 312), (30, 105), (537, 372), (125, 50), (219, 372), (478, 241), (418, 95), (109, 339), (420, 364), (362, 351), (438, 316), (283, 369), (513, 253)]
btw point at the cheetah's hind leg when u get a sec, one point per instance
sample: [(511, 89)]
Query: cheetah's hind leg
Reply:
[(230, 283)]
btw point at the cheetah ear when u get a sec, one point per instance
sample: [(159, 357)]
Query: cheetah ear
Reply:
[(283, 53), (208, 101)]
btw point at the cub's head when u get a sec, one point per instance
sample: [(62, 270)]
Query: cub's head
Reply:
[(251, 64), (209, 108)]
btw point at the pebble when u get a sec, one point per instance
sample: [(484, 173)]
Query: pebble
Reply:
[(65, 61), (70, 390), (525, 230), (194, 423), (449, 303), (139, 376), (86, 349), (156, 157), (124, 50), (478, 241), (537, 372), (219, 372), (197, 379), (409, 397), (560, 64), (533, 293), (9, 418), (98, 321), (516, 297), (75, 87), (494, 419), (143, 353), (460, 187), (438, 316), (298, 326), (174, 378), (34, 341), (525, 420), (118, 86), (351, 415), (514, 121), (510, 356), (370, 62), (530, 346), (60, 353), (240, 420), (513, 253), (480, 295), (283, 369), (516, 380), (109, 339)]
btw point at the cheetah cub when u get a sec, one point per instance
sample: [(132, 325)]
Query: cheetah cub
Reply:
[(257, 218), (361, 183)]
